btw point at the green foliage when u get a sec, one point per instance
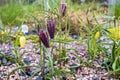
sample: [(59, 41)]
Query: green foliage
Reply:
[(34, 38), (16, 13), (117, 10), (5, 36), (12, 14), (115, 57)]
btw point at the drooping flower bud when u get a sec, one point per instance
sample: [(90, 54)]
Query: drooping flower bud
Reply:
[(97, 35), (22, 41), (51, 28), (3, 32), (44, 37), (63, 7)]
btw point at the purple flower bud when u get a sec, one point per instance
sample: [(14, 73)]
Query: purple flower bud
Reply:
[(44, 37), (63, 7), (51, 28)]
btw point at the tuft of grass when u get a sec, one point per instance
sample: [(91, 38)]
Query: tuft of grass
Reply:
[(17, 13), (11, 13)]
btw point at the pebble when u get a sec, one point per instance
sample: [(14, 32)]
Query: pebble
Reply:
[(46, 71), (63, 77), (8, 63), (4, 61), (27, 60), (80, 78), (75, 37), (104, 78), (1, 78), (95, 77), (22, 73), (108, 62), (34, 31), (27, 34), (73, 58), (24, 28), (39, 78), (1, 75), (28, 71), (74, 67)]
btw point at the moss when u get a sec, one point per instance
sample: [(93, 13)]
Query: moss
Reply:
[(34, 38)]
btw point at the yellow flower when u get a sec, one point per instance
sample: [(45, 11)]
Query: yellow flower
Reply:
[(114, 33), (16, 35), (97, 35), (20, 33), (2, 33), (22, 41)]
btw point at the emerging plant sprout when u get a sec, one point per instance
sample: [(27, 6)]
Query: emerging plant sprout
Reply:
[(51, 28), (44, 37)]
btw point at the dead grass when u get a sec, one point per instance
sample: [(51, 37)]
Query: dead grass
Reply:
[(85, 18)]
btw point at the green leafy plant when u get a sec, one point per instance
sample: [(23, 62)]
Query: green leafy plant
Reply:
[(115, 58), (11, 14), (4, 35)]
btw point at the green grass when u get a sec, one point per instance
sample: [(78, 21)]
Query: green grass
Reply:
[(11, 13), (117, 10), (15, 14)]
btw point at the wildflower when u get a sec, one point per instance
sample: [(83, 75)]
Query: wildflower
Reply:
[(3, 32), (114, 33), (22, 41), (63, 7), (97, 35), (51, 28), (44, 38), (20, 33)]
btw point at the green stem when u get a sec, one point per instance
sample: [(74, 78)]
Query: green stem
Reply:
[(114, 22), (50, 59), (43, 63)]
